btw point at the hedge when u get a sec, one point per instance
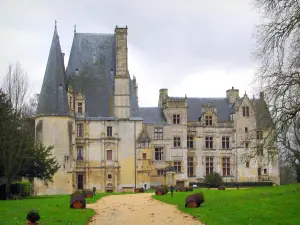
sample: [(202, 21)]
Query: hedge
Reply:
[(20, 188), (240, 184)]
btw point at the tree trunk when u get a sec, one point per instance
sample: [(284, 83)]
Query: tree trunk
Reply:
[(8, 184)]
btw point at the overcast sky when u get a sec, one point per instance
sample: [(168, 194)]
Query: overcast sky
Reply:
[(199, 48)]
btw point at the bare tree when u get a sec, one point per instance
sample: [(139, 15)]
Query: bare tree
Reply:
[(278, 53), (30, 107), (15, 85)]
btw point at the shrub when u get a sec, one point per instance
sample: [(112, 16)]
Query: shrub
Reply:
[(77, 200), (20, 188), (88, 193), (194, 200), (221, 188), (186, 189), (190, 188), (94, 190), (166, 188), (213, 180), (33, 216), (178, 189), (160, 191), (142, 190)]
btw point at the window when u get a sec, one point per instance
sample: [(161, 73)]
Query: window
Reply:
[(79, 153), (190, 165), (265, 171), (79, 107), (80, 181), (176, 119), (190, 142), (109, 155), (246, 129), (209, 165), (71, 103), (208, 120), (260, 151), (160, 172), (226, 166), (144, 155), (246, 145), (158, 133), (245, 110), (80, 130), (159, 153), (176, 142), (208, 142), (109, 131), (143, 144), (247, 164), (259, 134), (177, 166), (225, 142)]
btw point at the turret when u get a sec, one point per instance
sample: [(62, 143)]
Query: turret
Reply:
[(53, 123)]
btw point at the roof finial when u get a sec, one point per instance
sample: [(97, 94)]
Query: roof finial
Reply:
[(75, 29), (55, 24)]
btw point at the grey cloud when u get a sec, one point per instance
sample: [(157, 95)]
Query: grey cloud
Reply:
[(174, 38)]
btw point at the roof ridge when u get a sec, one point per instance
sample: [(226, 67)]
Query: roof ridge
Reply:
[(105, 34)]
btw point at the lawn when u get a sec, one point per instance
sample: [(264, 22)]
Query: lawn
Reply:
[(53, 209), (260, 205)]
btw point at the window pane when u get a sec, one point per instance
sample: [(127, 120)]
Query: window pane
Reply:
[(109, 154)]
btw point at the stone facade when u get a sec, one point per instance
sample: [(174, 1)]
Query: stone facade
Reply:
[(111, 143)]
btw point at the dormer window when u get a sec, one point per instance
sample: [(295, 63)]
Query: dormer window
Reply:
[(79, 107), (176, 119), (245, 110), (208, 120)]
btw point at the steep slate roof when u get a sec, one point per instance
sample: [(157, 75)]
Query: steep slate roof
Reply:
[(263, 117), (195, 108), (53, 95), (94, 56), (153, 115)]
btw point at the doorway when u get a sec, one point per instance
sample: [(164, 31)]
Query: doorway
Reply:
[(180, 184)]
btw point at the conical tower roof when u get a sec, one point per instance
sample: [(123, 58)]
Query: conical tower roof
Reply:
[(53, 97)]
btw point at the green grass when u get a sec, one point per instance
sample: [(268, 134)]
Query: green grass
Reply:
[(260, 205), (53, 209)]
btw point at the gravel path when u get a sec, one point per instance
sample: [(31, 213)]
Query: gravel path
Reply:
[(137, 209)]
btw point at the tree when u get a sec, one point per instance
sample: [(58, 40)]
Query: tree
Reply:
[(278, 39), (20, 155), (15, 85), (30, 107), (40, 164)]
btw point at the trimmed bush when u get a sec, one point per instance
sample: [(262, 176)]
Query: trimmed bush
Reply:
[(142, 190), (186, 189), (160, 191), (221, 188), (190, 188), (20, 188), (88, 193), (178, 189), (241, 184), (194, 200), (213, 180), (77, 200), (166, 188), (33, 216), (94, 190)]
